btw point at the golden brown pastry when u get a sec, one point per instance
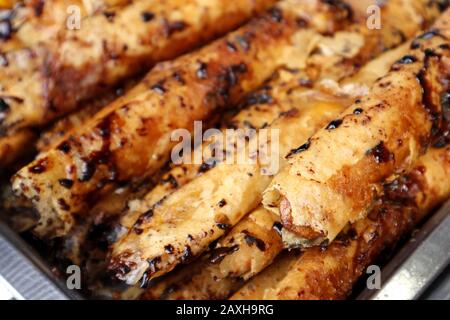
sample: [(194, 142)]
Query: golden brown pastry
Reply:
[(109, 47), (188, 220), (130, 139), (333, 179), (330, 272), (255, 241)]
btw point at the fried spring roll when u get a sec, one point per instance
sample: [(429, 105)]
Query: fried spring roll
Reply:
[(338, 57), (201, 211), (130, 139), (188, 220), (110, 47), (380, 136), (330, 273), (254, 242)]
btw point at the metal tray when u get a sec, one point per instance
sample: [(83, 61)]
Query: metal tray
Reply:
[(419, 270)]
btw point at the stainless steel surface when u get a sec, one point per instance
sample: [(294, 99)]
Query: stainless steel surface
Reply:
[(23, 275), (418, 263)]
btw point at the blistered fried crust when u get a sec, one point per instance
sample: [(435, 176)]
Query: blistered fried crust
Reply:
[(393, 125), (109, 47), (325, 61), (192, 217), (255, 241), (330, 272), (249, 247), (130, 139)]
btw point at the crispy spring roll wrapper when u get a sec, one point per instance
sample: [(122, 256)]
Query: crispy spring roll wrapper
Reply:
[(332, 59), (248, 248), (109, 48), (130, 139), (380, 136), (201, 211), (255, 241), (330, 272)]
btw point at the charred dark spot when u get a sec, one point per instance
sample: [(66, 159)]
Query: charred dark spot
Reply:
[(159, 87), (207, 165), (381, 154), (222, 203), (324, 245), (178, 77), (213, 244), (346, 236), (231, 47), (40, 167), (153, 264), (358, 111), (187, 255), (425, 36), (5, 29), (252, 240), (190, 237), (341, 6), (223, 226), (301, 22), (4, 107), (171, 179), (137, 230), (144, 217), (289, 113), (103, 128), (334, 124), (63, 204), (169, 249), (66, 183), (88, 169), (408, 59), (258, 98), (218, 254), (441, 141), (305, 82), (144, 281), (38, 7), (109, 15), (202, 71), (300, 149), (174, 27), (147, 16), (277, 226), (230, 76), (64, 147), (276, 14), (404, 189)]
